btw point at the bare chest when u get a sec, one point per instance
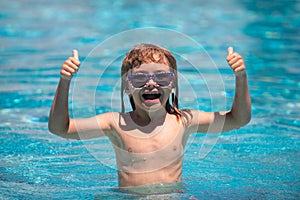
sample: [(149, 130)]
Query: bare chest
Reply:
[(148, 152), (161, 137)]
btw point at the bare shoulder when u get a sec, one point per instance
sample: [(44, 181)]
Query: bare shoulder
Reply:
[(201, 117), (199, 121), (107, 120), (110, 126)]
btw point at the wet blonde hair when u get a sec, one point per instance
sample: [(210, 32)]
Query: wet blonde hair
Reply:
[(150, 53)]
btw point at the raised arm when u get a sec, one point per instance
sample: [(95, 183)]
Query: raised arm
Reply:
[(59, 121), (240, 113), (59, 114)]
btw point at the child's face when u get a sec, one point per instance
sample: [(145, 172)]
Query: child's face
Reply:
[(150, 92)]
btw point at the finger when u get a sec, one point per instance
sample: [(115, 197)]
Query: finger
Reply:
[(71, 70), (230, 50), (238, 64), (230, 54), (75, 61), (75, 53), (66, 74), (233, 59), (71, 63), (239, 69)]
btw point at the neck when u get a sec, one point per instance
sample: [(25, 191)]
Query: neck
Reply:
[(145, 117)]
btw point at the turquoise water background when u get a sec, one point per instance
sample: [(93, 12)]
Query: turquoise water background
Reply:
[(259, 161)]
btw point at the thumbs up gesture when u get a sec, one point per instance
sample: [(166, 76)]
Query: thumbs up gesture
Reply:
[(235, 61), (70, 66)]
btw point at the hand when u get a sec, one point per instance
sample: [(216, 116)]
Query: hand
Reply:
[(235, 61), (70, 66)]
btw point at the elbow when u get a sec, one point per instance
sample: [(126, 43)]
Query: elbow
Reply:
[(243, 120), (246, 121), (64, 133), (58, 132), (57, 128), (247, 117)]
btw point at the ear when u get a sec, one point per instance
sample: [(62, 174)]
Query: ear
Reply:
[(126, 88), (173, 86), (127, 91)]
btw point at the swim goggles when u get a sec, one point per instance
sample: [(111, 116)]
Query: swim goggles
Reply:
[(162, 79)]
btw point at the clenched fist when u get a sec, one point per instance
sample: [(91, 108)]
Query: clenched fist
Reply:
[(235, 61), (70, 66)]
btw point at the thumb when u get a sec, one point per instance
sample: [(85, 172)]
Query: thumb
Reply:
[(75, 53), (230, 50)]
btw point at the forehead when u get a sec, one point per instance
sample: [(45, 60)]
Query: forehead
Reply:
[(150, 68)]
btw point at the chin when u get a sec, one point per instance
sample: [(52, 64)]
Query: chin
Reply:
[(152, 106)]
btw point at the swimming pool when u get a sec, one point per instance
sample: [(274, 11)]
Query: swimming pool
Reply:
[(259, 161)]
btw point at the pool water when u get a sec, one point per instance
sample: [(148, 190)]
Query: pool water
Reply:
[(258, 161)]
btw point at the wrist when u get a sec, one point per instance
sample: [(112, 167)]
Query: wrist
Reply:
[(240, 73), (67, 78)]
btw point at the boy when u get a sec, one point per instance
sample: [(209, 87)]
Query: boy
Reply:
[(149, 141)]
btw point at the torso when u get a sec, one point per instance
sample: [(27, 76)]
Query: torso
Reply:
[(149, 154)]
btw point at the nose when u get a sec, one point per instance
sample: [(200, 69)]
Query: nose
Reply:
[(151, 83)]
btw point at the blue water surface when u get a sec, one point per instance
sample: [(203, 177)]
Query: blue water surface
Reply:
[(258, 161)]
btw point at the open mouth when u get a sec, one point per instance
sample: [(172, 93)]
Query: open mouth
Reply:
[(151, 96)]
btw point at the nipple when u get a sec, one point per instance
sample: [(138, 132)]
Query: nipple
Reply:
[(174, 148), (129, 149)]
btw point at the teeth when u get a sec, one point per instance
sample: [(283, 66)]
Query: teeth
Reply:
[(151, 93)]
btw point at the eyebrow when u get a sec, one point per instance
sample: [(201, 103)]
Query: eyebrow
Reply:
[(146, 72)]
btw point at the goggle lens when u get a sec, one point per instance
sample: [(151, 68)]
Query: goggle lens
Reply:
[(162, 79)]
